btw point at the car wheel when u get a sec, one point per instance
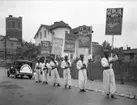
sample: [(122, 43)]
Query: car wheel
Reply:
[(21, 76), (8, 74), (30, 77), (16, 76)]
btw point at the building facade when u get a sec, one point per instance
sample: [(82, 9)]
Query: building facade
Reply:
[(14, 27), (56, 33), (10, 48), (53, 33), (130, 54)]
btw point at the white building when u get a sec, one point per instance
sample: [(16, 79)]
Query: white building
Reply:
[(43, 34), (49, 32)]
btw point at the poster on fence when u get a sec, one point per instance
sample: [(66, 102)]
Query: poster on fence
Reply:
[(57, 46), (69, 43), (45, 47), (114, 21)]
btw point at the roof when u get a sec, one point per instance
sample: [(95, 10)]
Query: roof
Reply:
[(59, 24), (42, 25), (130, 51)]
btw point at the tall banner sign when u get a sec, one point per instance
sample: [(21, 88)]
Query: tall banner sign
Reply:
[(85, 41), (114, 18), (45, 47), (57, 46), (69, 43), (85, 36)]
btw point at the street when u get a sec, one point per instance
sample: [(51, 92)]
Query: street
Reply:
[(27, 92)]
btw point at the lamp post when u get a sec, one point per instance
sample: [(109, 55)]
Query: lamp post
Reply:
[(91, 46)]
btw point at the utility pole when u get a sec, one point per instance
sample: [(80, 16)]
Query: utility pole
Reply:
[(5, 49)]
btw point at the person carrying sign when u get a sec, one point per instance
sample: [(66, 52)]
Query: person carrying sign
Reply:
[(82, 73), (108, 73), (54, 72), (65, 65)]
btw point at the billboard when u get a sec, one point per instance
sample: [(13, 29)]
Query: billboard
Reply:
[(114, 18), (45, 47), (69, 43), (57, 46), (85, 41)]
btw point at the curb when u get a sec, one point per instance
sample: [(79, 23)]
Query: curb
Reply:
[(117, 94), (125, 95)]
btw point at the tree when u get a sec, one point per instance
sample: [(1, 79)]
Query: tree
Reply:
[(28, 51), (106, 45)]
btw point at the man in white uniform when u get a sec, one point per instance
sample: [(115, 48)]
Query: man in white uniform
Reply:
[(82, 73), (54, 72), (38, 69), (108, 74), (65, 65), (44, 72)]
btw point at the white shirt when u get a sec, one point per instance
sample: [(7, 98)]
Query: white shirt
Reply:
[(42, 65), (64, 64), (80, 64), (105, 62), (52, 64)]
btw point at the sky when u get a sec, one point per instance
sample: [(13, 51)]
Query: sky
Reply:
[(75, 13)]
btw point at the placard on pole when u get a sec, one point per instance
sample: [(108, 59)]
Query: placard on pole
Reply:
[(114, 17)]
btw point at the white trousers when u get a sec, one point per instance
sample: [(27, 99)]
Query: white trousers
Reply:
[(45, 76), (82, 78), (55, 76), (67, 76), (38, 75), (109, 81)]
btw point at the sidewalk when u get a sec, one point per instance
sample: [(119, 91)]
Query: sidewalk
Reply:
[(127, 91)]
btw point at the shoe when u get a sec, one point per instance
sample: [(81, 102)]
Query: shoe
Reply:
[(107, 96), (46, 82), (58, 85), (69, 87), (84, 90), (65, 86), (81, 90), (54, 84), (37, 81), (112, 96)]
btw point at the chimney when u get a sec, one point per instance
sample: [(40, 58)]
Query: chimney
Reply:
[(10, 15), (20, 17), (128, 48)]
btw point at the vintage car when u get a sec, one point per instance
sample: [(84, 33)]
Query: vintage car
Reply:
[(21, 68)]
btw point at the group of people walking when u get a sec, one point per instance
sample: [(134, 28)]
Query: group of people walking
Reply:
[(43, 67)]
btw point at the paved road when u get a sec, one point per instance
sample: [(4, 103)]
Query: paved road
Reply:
[(27, 92)]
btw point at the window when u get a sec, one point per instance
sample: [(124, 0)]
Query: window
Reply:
[(40, 35), (19, 25), (13, 24), (8, 24), (45, 33), (16, 25)]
